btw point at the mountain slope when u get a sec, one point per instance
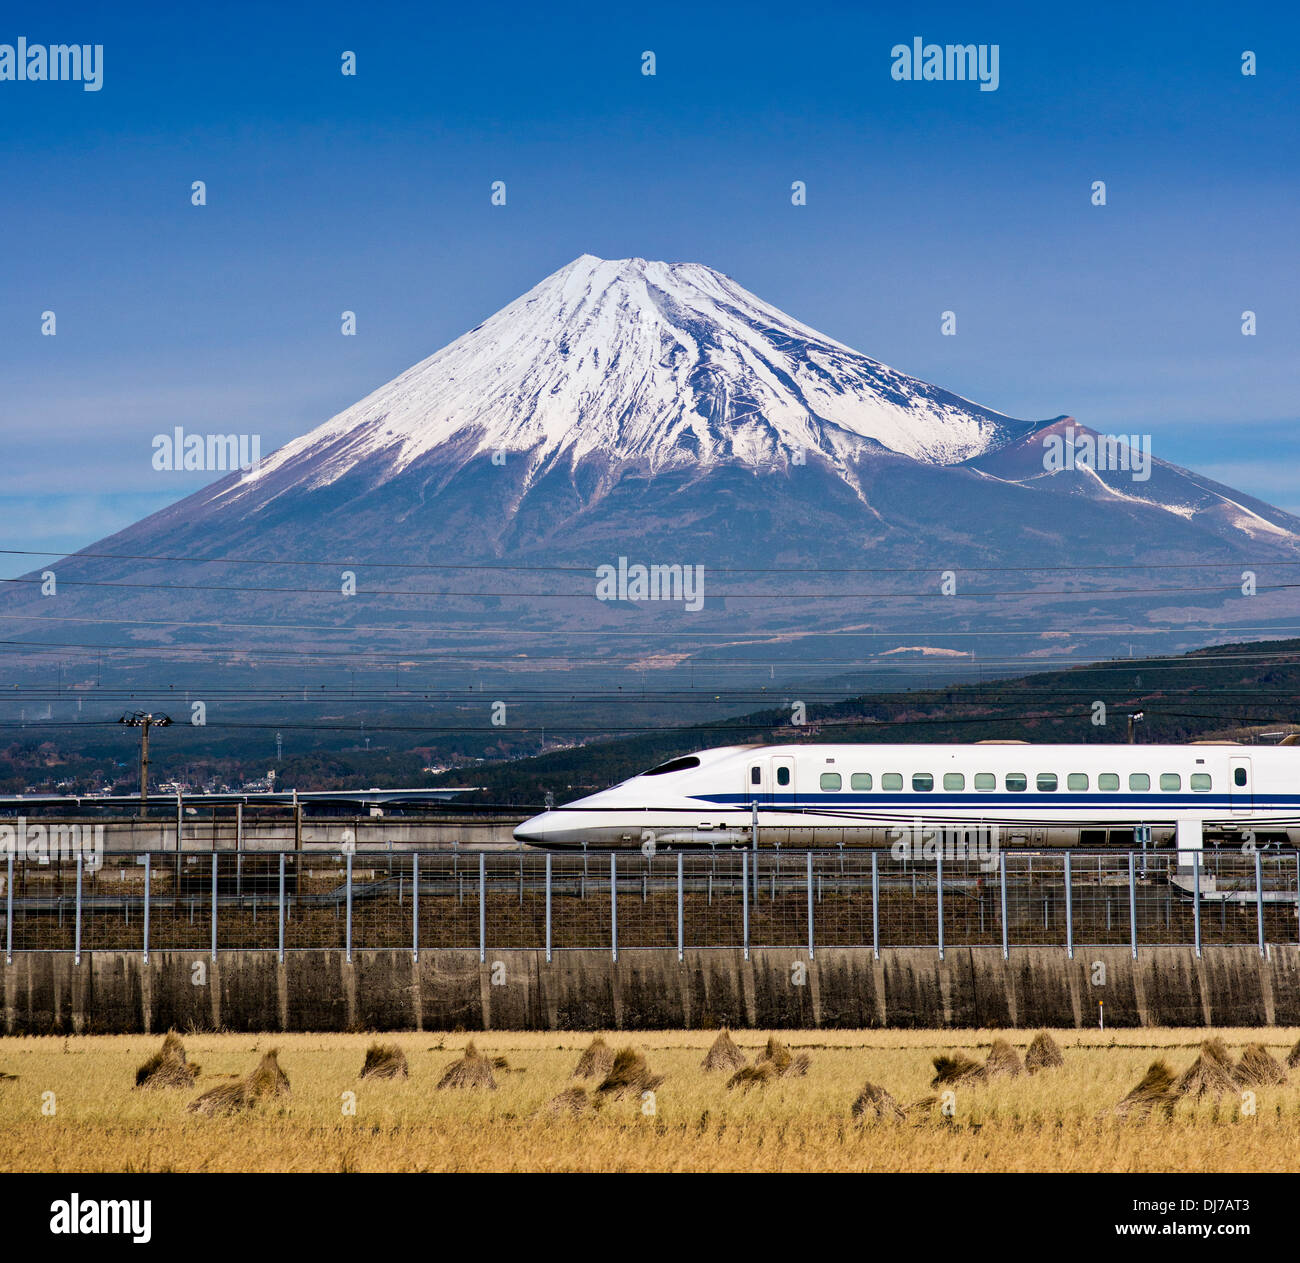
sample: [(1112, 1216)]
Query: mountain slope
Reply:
[(667, 365), (663, 413)]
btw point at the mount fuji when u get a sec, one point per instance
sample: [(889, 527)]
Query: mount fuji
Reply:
[(662, 412)]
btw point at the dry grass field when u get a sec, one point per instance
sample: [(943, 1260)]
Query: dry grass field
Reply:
[(97, 1121)]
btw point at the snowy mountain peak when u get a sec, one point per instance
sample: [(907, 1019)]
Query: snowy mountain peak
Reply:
[(665, 364)]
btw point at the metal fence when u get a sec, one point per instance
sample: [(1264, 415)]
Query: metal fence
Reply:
[(624, 901)]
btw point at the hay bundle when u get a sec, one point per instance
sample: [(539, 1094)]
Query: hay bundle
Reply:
[(875, 1105), (1209, 1075), (760, 1073), (1293, 1057), (784, 1063), (268, 1079), (957, 1068), (571, 1103), (229, 1098), (473, 1070), (723, 1055), (628, 1076), (226, 1098), (1043, 1054), (1002, 1059), (596, 1061), (798, 1067), (168, 1067), (1258, 1068), (1156, 1089), (385, 1061)]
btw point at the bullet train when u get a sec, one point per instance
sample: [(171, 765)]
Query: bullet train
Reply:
[(860, 795)]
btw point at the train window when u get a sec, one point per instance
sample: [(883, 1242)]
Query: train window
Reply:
[(891, 780), (673, 765), (1108, 781), (1077, 780), (1170, 780), (954, 780), (783, 776), (755, 775), (1046, 782), (860, 780), (922, 782), (1017, 782), (1201, 781), (830, 781), (985, 780), (1239, 776), (1139, 780)]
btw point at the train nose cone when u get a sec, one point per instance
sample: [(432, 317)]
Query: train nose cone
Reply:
[(536, 830)]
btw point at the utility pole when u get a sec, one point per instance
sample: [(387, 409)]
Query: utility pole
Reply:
[(1135, 718), (144, 720)]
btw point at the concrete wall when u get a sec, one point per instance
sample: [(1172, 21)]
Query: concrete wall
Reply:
[(201, 833), (45, 993)]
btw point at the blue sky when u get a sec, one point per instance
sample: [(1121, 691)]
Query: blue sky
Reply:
[(371, 194)]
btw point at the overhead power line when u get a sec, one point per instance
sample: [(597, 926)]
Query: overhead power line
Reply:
[(527, 567), (780, 595)]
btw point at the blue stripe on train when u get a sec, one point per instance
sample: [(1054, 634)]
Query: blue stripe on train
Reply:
[(1037, 798)]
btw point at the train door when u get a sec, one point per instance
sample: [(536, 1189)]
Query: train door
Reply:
[(783, 786), (758, 783), (1240, 791)]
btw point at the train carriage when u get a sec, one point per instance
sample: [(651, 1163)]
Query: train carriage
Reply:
[(862, 795)]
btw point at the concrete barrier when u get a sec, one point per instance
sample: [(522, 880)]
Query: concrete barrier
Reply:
[(255, 833), (47, 993)]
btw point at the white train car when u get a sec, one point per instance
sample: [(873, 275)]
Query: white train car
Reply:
[(860, 795)]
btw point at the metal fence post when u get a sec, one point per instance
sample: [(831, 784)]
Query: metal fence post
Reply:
[(1132, 907), (147, 883), (613, 904), (415, 906), (280, 940), (9, 913), (548, 907), (1069, 908), (1259, 898), (77, 931), (1196, 900), (875, 907), (214, 905), (681, 927), (347, 932), (482, 907), (744, 899), (809, 858), (938, 885), (1002, 895)]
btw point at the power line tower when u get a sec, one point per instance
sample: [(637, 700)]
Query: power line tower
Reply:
[(144, 720)]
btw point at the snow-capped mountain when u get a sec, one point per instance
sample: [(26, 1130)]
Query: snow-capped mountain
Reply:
[(667, 365), (662, 412)]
